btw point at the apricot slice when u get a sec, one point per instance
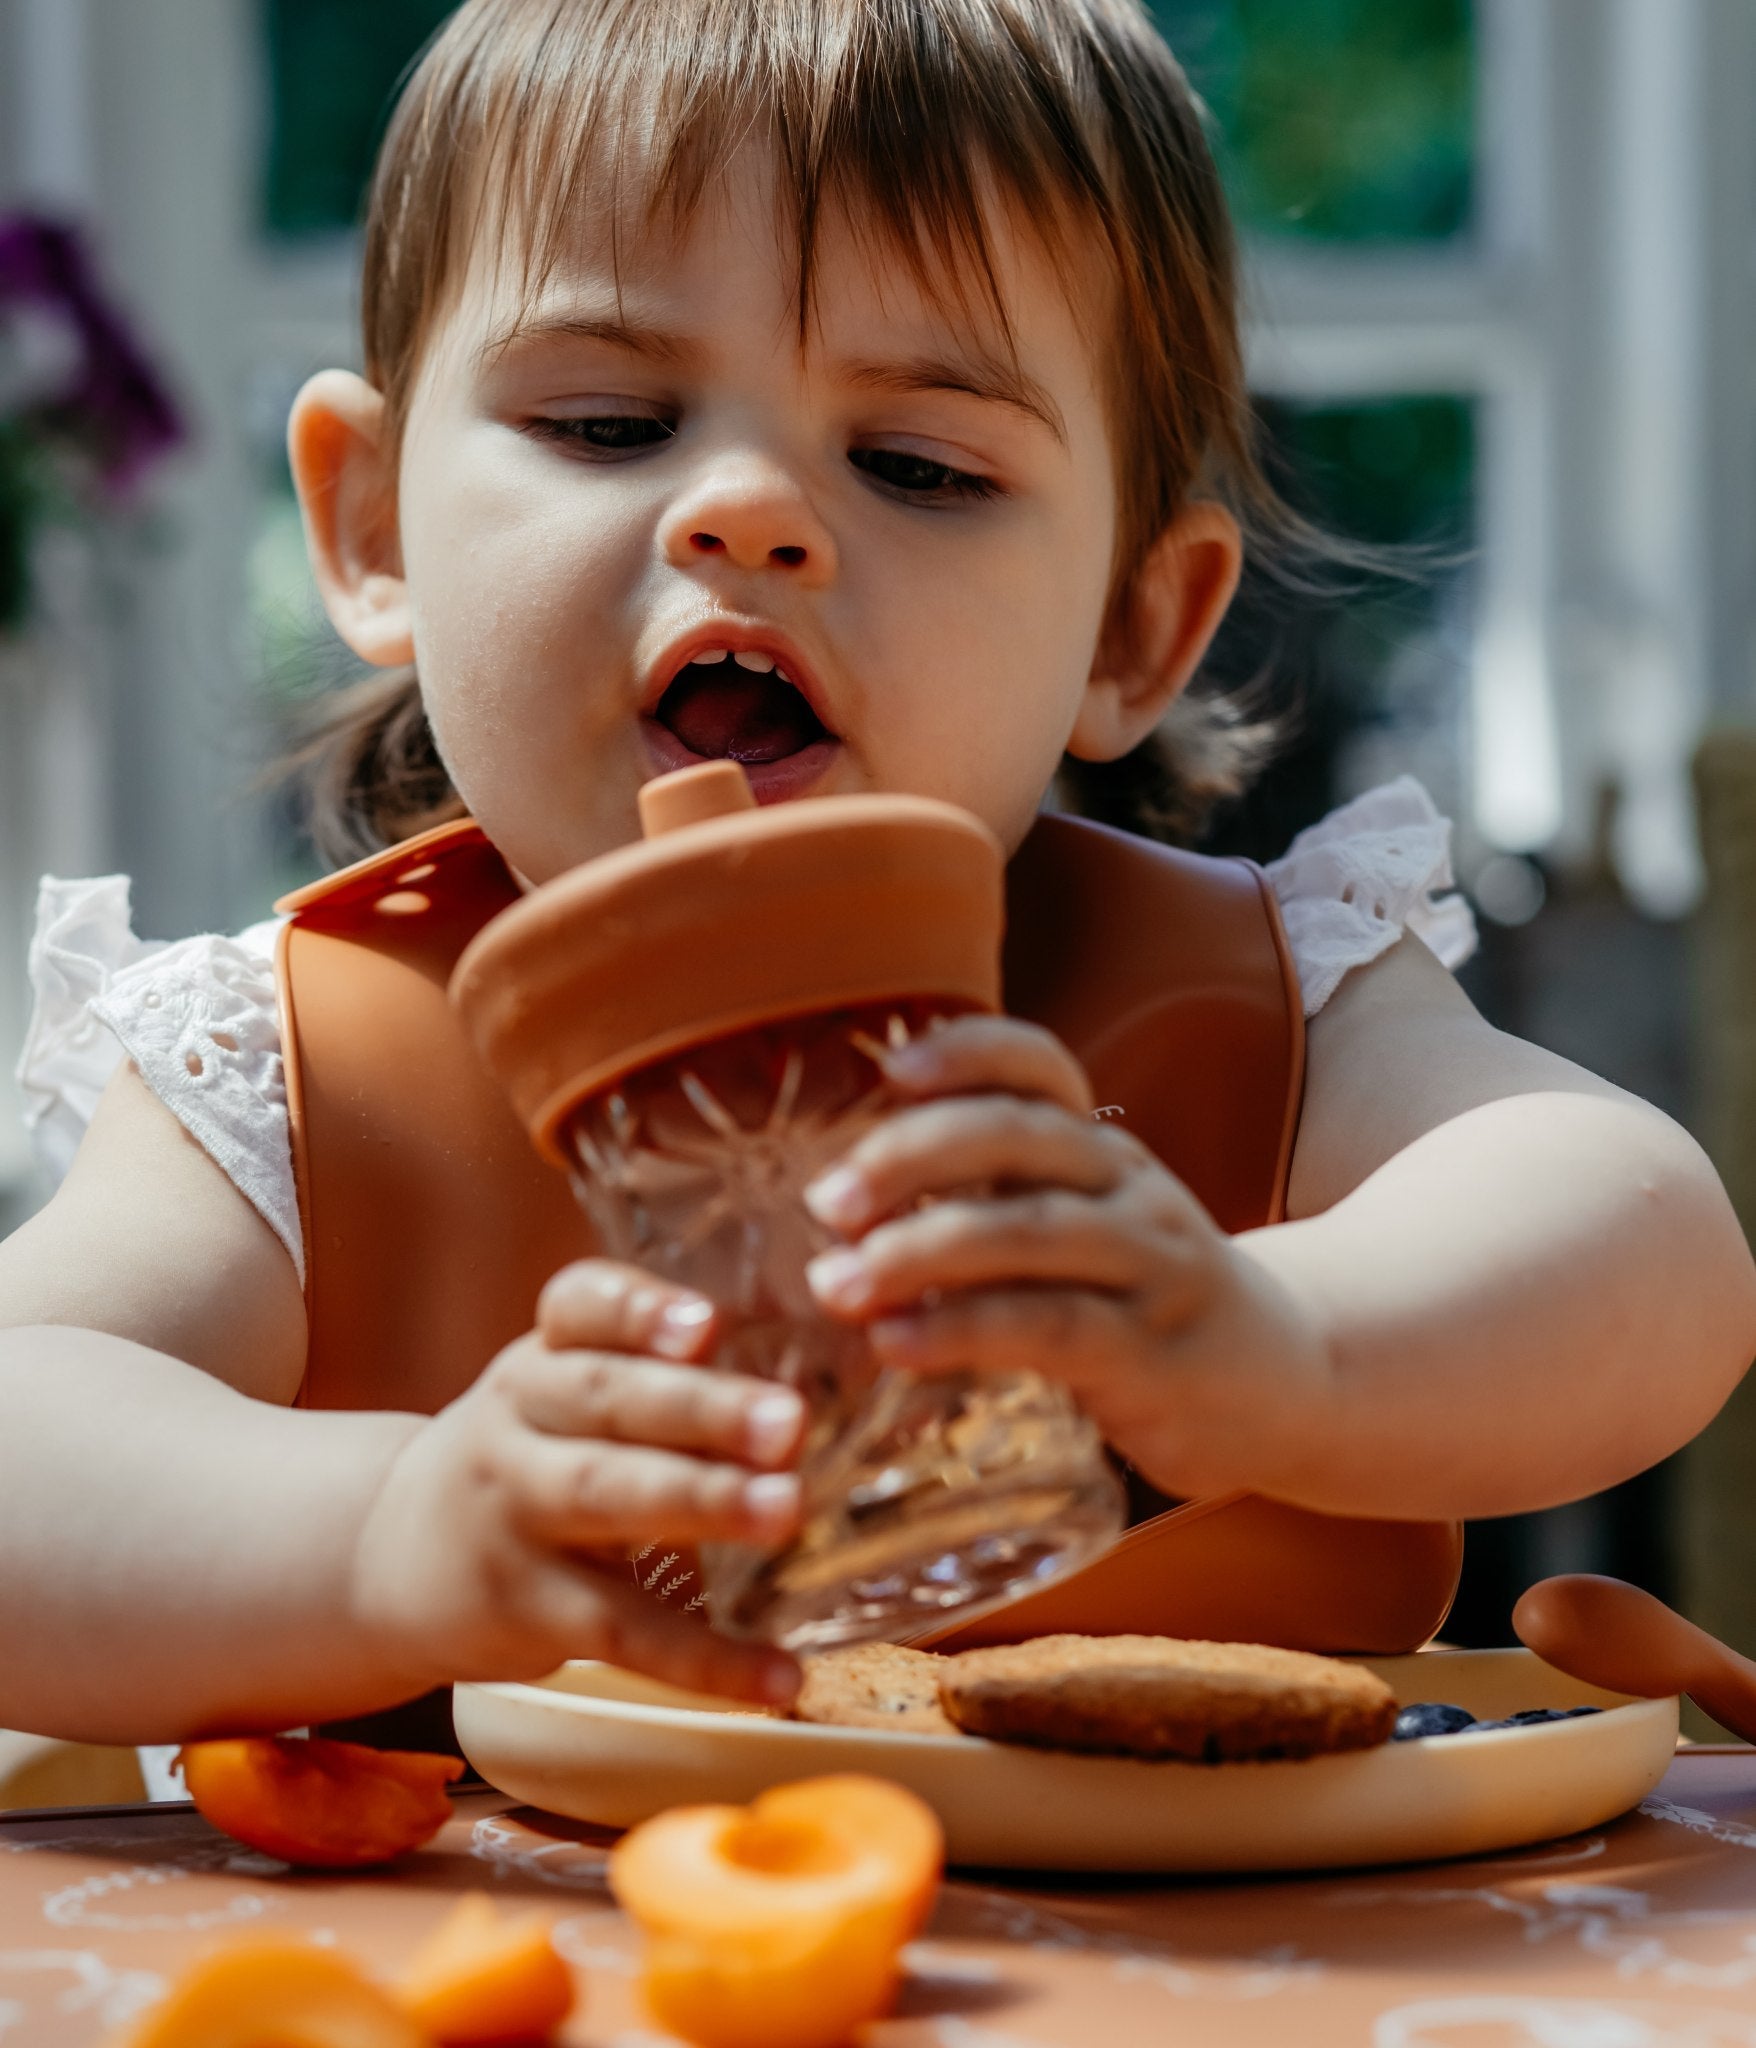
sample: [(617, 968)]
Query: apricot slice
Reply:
[(479, 1979), (778, 1925), (336, 1805), (288, 1993)]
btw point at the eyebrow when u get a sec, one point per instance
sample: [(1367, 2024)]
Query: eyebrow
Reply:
[(997, 382), (632, 335)]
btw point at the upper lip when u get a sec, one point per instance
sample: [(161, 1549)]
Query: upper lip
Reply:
[(736, 637)]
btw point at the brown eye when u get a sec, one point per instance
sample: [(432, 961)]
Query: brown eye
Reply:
[(612, 432), (917, 476)]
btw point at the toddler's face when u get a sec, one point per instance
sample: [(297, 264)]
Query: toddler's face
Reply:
[(648, 533)]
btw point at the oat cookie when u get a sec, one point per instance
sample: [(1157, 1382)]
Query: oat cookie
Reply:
[(874, 1685), (1153, 1696)]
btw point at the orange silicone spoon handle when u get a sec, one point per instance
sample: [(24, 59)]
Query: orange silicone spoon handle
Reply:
[(1614, 1635)]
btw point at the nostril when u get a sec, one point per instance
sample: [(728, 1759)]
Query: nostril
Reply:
[(708, 543), (791, 556)]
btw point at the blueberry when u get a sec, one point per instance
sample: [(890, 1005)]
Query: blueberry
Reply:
[(1535, 1717), (1431, 1717)]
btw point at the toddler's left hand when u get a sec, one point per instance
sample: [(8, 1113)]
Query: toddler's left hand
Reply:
[(1079, 1257)]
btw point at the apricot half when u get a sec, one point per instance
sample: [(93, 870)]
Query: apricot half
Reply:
[(479, 1979), (335, 1805), (778, 1925), (288, 1993)]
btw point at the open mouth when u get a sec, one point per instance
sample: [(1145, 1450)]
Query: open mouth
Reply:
[(739, 707)]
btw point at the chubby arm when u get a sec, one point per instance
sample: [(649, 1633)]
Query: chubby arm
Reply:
[(181, 1553), (1528, 1285), (173, 1542)]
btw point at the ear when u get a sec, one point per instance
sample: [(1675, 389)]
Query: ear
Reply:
[(347, 495), (1162, 628)]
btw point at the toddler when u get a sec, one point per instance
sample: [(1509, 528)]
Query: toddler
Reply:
[(852, 388)]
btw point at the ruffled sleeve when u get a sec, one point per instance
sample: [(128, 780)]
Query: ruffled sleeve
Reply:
[(1352, 884), (83, 935), (199, 1020)]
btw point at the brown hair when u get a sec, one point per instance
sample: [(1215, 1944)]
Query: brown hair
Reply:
[(519, 117)]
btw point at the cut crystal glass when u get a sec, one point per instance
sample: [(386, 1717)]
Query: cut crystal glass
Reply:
[(922, 1496)]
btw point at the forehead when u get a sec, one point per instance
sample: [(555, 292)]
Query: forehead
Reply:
[(1023, 287)]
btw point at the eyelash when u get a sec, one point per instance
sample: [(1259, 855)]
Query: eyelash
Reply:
[(949, 484), (580, 432), (937, 483)]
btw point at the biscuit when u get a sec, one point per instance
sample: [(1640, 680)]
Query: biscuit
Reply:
[(1152, 1696), (873, 1685)]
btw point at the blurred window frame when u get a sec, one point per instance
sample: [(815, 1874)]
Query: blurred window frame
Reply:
[(1597, 316)]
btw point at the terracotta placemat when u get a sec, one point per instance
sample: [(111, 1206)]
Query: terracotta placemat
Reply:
[(1639, 1935)]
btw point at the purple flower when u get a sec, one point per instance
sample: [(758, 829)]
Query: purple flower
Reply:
[(114, 407)]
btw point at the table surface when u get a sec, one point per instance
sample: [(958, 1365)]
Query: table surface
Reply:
[(1638, 1935)]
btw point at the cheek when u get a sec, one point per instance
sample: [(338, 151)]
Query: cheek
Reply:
[(995, 668), (514, 577), (980, 720)]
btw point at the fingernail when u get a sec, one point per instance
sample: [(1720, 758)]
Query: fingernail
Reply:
[(896, 1336), (772, 1423), (680, 1325), (841, 1278), (774, 1497), (839, 1197)]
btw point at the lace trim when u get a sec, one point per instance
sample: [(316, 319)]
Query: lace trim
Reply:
[(1352, 884)]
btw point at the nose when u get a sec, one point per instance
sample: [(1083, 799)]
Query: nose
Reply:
[(748, 511)]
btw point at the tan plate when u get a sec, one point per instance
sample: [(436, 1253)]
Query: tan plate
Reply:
[(599, 1744)]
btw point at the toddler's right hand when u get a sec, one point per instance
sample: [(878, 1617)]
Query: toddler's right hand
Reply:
[(596, 1432)]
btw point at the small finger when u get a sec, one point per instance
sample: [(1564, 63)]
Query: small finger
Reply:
[(626, 1627), (980, 1054), (578, 1494), (600, 1305), (936, 1147), (1047, 1237), (1067, 1334), (642, 1401), (673, 1407), (588, 1615)]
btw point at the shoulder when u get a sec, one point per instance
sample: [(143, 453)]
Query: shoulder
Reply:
[(150, 1240), (1399, 1051)]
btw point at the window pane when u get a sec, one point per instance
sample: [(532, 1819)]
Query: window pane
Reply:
[(333, 70), (1339, 120)]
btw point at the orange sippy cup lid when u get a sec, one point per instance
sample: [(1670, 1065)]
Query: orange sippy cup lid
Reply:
[(727, 916)]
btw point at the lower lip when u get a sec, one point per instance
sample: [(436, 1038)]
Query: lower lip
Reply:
[(773, 782)]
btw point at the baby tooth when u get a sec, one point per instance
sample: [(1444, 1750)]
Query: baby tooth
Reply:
[(709, 655), (747, 658)]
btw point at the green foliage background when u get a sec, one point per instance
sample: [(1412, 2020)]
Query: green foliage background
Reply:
[(1337, 120), (333, 70)]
